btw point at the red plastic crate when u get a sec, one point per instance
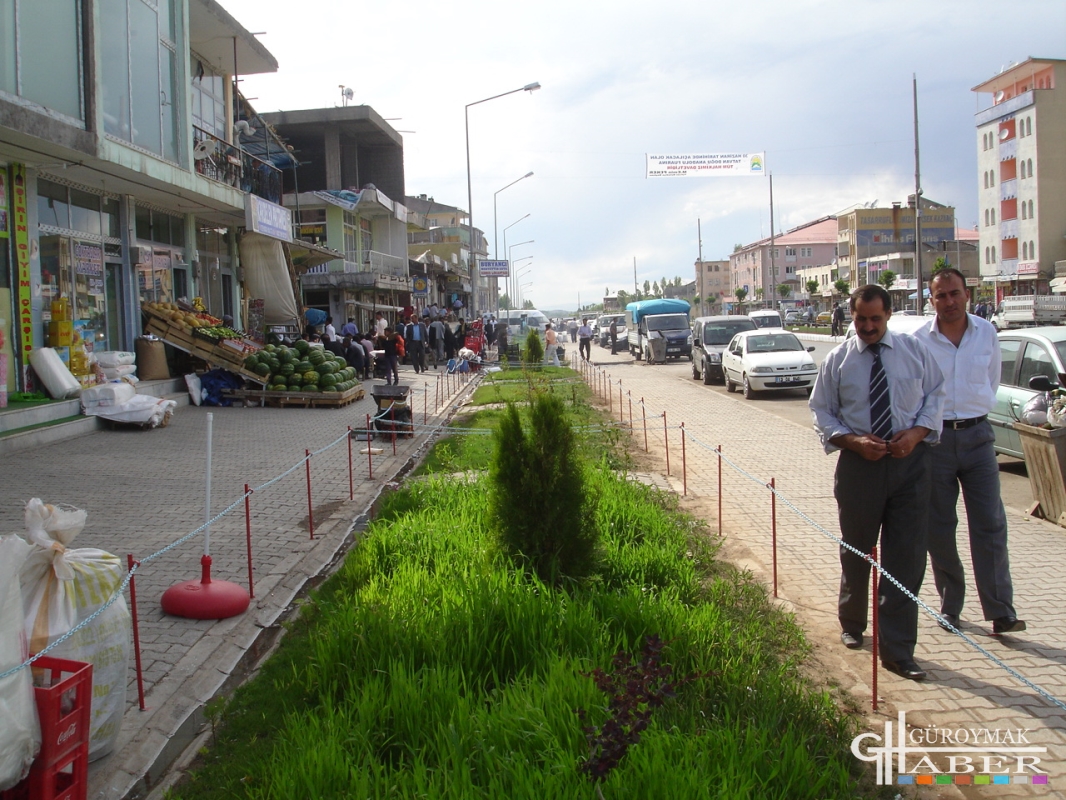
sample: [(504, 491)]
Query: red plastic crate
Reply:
[(64, 703)]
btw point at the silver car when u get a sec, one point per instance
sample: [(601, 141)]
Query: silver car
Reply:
[(1025, 353)]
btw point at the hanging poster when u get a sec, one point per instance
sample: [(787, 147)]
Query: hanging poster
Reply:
[(704, 165), (3, 203), (88, 260), (22, 260)]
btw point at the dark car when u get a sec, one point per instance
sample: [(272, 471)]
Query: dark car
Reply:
[(710, 335)]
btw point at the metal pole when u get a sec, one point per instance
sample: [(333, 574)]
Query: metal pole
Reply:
[(310, 510), (351, 478), (684, 463), (621, 412), (136, 629), (207, 499), (644, 415), (630, 396), (699, 243), (719, 450), (920, 294), (369, 455), (248, 535), (666, 443), (773, 266), (392, 419), (875, 622), (773, 528)]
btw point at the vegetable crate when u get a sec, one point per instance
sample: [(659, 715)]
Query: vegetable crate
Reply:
[(64, 701)]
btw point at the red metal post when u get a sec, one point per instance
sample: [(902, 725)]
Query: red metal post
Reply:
[(310, 510), (666, 443), (136, 630), (248, 536), (351, 477), (630, 396), (719, 451), (369, 455), (392, 419), (425, 408), (684, 463), (609, 393), (773, 528), (873, 604), (644, 416), (621, 412)]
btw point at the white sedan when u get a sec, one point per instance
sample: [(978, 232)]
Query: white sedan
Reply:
[(765, 360)]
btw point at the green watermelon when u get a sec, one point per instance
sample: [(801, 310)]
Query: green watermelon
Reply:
[(310, 378), (310, 389), (262, 369), (304, 365), (316, 356), (286, 356), (287, 369), (251, 362), (295, 381), (302, 346), (327, 381)]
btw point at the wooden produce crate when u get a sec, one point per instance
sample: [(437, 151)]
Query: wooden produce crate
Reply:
[(299, 399), (218, 355), (1045, 461)]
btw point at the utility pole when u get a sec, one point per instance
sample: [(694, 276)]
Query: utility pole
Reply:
[(920, 293), (636, 290), (773, 267)]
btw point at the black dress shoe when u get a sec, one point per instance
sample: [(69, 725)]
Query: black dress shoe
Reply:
[(1007, 625), (953, 619), (851, 641), (905, 669)]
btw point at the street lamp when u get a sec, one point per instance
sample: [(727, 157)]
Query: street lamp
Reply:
[(475, 272), (495, 237), (514, 284), (520, 288)]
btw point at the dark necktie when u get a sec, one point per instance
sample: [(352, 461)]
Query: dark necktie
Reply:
[(880, 402)]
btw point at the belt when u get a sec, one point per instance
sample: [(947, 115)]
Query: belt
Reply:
[(959, 424)]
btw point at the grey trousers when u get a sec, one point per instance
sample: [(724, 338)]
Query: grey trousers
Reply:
[(887, 499), (967, 457)]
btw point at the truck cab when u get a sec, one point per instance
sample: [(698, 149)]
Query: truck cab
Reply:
[(664, 321)]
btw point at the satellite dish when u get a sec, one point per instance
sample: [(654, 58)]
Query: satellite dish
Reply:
[(203, 149), (1004, 135), (349, 93), (1000, 95)]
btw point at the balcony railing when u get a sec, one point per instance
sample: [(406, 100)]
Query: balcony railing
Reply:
[(373, 261), (233, 166)]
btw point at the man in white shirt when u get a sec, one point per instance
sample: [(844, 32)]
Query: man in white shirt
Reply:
[(330, 331), (584, 336), (379, 324), (878, 399), (967, 350)]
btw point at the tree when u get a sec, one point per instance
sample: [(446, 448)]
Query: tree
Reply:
[(784, 290), (812, 287), (663, 283), (887, 278), (677, 280), (623, 297), (759, 293), (939, 264), (655, 288), (647, 288), (738, 247), (740, 293), (505, 300), (841, 286), (527, 304)]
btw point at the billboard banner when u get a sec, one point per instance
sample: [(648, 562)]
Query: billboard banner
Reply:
[(494, 269), (704, 165)]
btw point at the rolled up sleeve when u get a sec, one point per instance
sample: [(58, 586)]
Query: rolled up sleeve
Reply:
[(825, 405)]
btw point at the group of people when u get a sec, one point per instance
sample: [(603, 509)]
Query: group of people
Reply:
[(909, 415)]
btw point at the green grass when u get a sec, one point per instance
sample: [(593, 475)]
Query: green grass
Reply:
[(429, 667)]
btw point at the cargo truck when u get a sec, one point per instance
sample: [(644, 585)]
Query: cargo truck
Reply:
[(659, 329), (1029, 310)]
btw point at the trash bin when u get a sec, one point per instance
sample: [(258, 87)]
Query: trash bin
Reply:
[(658, 350), (1045, 461)]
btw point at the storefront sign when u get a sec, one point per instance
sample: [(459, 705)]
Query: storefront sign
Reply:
[(3, 203), (419, 286), (973, 281), (88, 260), (22, 260), (494, 269), (704, 165), (269, 219), (1028, 267)]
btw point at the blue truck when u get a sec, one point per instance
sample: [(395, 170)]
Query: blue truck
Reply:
[(665, 320)]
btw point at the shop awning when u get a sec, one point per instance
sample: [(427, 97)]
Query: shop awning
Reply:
[(306, 255), (266, 277)]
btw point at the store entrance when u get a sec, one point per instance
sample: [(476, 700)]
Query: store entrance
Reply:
[(112, 306)]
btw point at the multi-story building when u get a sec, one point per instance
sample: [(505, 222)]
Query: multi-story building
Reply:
[(444, 245), (1021, 176), (714, 286), (753, 269), (125, 169), (826, 294)]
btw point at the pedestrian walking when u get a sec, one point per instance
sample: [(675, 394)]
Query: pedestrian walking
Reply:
[(502, 332), (390, 344), (449, 341), (415, 336), (967, 351), (551, 348), (571, 328), (436, 341), (368, 348), (329, 333), (584, 336), (379, 324), (878, 400), (613, 331), (838, 320)]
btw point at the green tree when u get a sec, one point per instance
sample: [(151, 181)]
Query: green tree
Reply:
[(655, 288), (740, 292), (533, 354), (759, 293), (623, 297), (647, 288), (939, 264), (812, 287), (528, 304), (538, 502), (505, 300), (784, 290), (663, 283), (738, 247), (841, 286), (886, 279)]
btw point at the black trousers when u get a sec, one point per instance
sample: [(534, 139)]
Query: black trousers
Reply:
[(585, 348), (886, 499)]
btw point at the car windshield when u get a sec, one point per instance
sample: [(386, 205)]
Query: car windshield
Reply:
[(668, 322), (773, 344), (767, 321), (722, 333)]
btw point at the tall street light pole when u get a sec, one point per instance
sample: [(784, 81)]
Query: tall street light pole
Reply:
[(510, 285), (495, 237), (514, 280), (475, 273)]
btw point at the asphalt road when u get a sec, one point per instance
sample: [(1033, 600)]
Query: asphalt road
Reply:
[(791, 405)]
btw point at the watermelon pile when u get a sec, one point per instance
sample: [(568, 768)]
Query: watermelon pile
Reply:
[(301, 368)]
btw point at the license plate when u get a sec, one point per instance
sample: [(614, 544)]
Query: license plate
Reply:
[(673, 349), (789, 379)]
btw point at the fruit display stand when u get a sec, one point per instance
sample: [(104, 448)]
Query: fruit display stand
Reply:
[(304, 375), (278, 399), (229, 354), (1045, 461)]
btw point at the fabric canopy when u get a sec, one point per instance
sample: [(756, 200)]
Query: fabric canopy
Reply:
[(266, 277)]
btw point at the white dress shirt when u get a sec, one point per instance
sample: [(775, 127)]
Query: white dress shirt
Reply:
[(840, 401), (971, 370)]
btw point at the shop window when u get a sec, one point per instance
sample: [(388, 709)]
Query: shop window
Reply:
[(85, 212), (181, 284), (209, 100), (111, 223), (40, 53), (993, 254), (1025, 251), (52, 208), (1032, 250)]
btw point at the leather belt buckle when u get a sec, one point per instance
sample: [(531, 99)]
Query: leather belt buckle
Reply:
[(961, 424)]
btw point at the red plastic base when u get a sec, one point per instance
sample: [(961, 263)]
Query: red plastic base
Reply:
[(205, 599)]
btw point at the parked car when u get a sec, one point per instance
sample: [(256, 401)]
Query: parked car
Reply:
[(768, 360), (603, 331), (710, 335), (825, 318), (793, 316), (766, 318), (899, 323), (1025, 353)]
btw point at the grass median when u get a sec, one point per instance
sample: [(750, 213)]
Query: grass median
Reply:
[(430, 666)]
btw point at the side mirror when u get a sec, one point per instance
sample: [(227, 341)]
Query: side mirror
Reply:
[(1042, 383), (810, 349)]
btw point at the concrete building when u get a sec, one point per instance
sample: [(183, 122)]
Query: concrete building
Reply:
[(124, 174), (443, 244), (1021, 176), (826, 295), (806, 245), (714, 287)]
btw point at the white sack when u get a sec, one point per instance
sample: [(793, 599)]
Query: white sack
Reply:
[(141, 409), (115, 358), (107, 395), (20, 733), (60, 588), (55, 376), (114, 373)]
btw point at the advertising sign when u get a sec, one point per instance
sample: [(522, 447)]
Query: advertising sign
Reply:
[(3, 204), (419, 286), (22, 260), (1028, 267), (88, 259), (494, 269), (704, 165), (269, 219)]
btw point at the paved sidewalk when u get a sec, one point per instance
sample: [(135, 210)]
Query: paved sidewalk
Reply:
[(145, 489), (964, 689)]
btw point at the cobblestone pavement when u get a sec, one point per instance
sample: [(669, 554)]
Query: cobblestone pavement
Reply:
[(964, 689), (145, 489)]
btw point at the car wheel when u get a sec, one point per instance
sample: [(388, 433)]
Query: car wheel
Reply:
[(729, 385), (749, 393), (695, 372), (706, 376), (636, 353)]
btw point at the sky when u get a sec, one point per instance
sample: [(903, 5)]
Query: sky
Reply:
[(823, 87)]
